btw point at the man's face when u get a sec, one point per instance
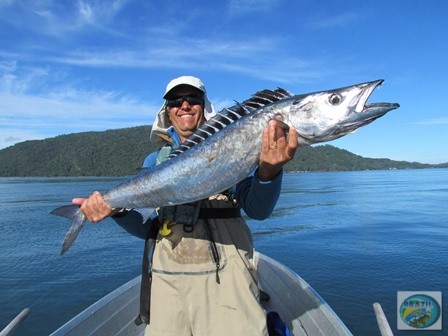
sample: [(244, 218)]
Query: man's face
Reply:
[(186, 111)]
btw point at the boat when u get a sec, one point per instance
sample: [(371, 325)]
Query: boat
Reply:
[(300, 307), (297, 303)]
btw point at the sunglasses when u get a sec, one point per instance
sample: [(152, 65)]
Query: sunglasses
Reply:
[(190, 99)]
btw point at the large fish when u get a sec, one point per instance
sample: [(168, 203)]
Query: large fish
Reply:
[(227, 148)]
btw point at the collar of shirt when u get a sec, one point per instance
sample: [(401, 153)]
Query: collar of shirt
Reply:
[(174, 136)]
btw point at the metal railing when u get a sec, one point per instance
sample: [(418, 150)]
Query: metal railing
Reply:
[(9, 329)]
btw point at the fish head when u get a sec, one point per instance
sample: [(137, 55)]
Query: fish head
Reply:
[(328, 115)]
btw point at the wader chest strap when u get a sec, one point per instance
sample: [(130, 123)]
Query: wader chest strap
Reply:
[(145, 285), (219, 213)]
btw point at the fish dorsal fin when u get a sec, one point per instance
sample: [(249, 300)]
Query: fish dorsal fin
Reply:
[(229, 115)]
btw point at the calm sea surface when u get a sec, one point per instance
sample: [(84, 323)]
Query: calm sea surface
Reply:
[(356, 237)]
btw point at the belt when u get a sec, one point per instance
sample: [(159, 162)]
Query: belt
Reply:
[(220, 213)]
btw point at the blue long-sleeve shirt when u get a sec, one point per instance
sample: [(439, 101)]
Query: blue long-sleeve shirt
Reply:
[(257, 198)]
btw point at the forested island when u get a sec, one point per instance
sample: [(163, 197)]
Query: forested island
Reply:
[(121, 152)]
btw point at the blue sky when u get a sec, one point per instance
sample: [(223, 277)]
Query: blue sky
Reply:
[(91, 65)]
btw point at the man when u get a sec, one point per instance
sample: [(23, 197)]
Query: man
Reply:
[(203, 278)]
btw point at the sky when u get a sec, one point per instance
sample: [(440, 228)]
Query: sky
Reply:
[(70, 66)]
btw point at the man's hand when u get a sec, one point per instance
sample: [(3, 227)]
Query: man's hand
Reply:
[(276, 150), (95, 208)]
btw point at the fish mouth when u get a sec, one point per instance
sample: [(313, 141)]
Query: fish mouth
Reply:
[(368, 89), (365, 112), (380, 108), (372, 111)]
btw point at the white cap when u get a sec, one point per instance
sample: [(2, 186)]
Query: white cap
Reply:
[(162, 122), (184, 81)]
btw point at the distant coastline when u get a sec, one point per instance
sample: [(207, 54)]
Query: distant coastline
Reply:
[(121, 153)]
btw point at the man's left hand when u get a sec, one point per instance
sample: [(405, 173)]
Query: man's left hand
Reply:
[(276, 150)]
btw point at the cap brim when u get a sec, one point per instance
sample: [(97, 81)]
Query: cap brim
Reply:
[(170, 93)]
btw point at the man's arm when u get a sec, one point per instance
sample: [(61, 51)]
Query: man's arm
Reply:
[(132, 222), (258, 198), (259, 193)]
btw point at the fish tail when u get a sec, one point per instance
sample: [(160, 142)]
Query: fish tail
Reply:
[(74, 213)]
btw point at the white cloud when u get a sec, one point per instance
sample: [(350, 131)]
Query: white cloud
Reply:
[(6, 3), (26, 114), (341, 20), (85, 11), (435, 121), (240, 7), (62, 19), (257, 58), (168, 44), (48, 118), (14, 80), (98, 12)]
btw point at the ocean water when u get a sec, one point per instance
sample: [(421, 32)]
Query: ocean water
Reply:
[(355, 237)]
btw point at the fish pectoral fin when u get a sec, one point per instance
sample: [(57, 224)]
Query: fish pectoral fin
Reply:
[(282, 124), (74, 213)]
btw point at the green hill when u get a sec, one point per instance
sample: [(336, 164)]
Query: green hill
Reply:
[(120, 152)]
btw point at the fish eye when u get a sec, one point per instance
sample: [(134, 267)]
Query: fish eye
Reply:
[(335, 99)]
